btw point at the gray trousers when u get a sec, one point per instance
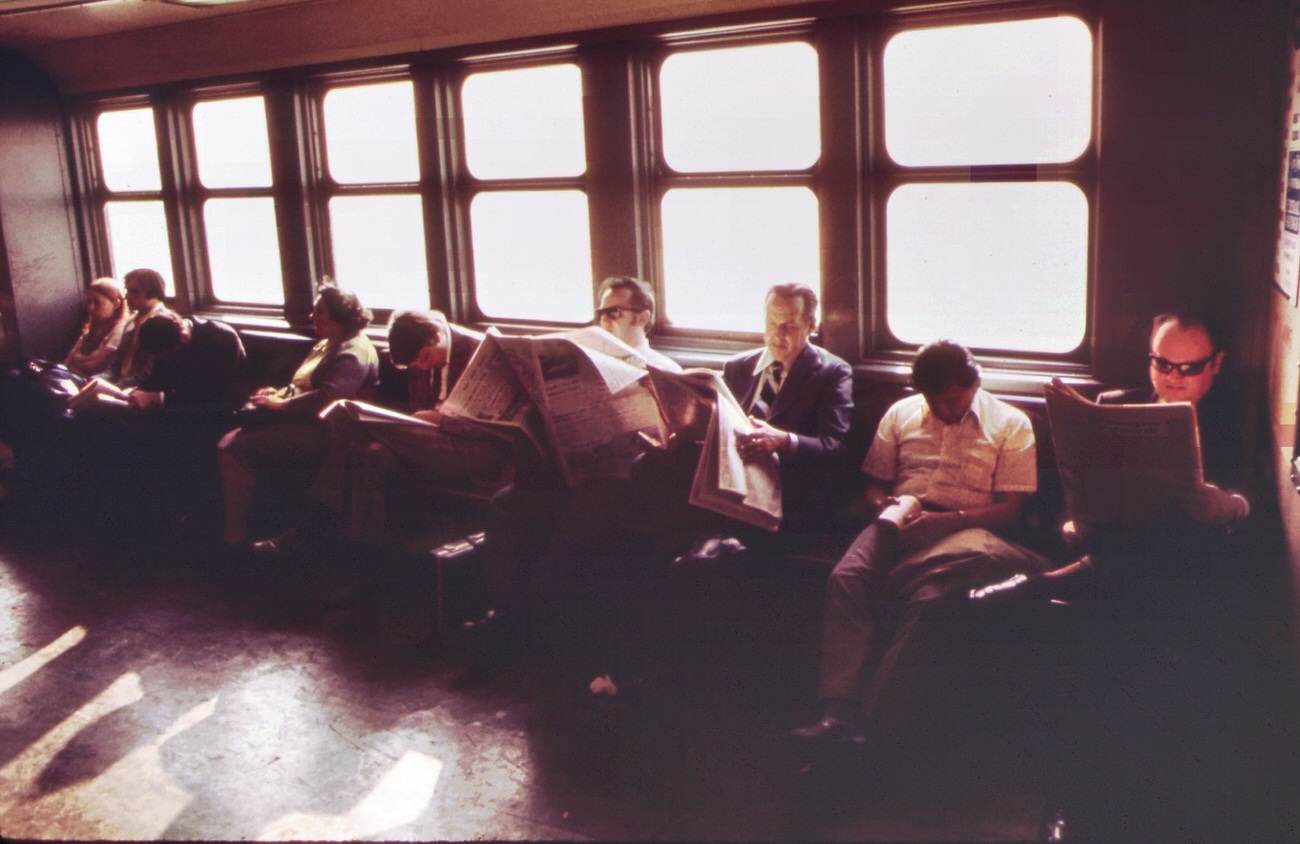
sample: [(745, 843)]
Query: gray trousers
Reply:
[(877, 597)]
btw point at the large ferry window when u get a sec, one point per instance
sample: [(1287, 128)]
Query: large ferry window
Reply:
[(740, 133), (239, 226), (529, 218), (376, 216), (134, 215), (974, 221)]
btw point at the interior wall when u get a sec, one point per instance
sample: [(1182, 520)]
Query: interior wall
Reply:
[(41, 274), (342, 30), (1284, 359)]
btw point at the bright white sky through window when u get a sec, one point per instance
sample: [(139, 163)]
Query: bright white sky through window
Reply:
[(524, 123), (532, 248), (1002, 93), (742, 108), (128, 151), (998, 265), (745, 110)]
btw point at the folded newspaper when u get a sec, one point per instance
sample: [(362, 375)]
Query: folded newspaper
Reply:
[(1127, 464), (747, 490)]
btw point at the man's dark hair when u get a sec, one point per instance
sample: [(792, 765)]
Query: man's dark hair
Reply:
[(794, 290), (942, 365), (411, 331), (345, 307), (643, 295), (160, 334), (149, 281), (1187, 318)]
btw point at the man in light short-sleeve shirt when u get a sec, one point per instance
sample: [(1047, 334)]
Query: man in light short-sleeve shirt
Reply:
[(968, 460)]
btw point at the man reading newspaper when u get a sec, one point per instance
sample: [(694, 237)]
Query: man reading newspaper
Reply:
[(1164, 600), (1184, 514)]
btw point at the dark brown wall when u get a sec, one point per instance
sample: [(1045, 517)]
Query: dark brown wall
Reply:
[(1192, 102), (40, 269)]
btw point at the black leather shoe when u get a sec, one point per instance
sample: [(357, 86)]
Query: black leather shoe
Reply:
[(832, 729), (276, 546), (712, 548)]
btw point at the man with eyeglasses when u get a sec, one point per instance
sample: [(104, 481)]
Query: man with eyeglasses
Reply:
[(1185, 355), (1169, 604), (626, 310)]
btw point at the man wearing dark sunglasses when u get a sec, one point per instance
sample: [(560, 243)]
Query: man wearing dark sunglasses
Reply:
[(1166, 601), (1184, 358), (1185, 354)]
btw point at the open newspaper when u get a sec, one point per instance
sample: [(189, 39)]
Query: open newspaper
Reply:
[(747, 490), (1122, 464), (97, 393), (581, 396), (591, 404)]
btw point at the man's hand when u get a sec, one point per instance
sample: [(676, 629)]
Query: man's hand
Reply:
[(430, 415), (1210, 504), (764, 440), (146, 399), (928, 528), (270, 401)]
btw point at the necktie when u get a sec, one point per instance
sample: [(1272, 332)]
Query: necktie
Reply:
[(767, 391)]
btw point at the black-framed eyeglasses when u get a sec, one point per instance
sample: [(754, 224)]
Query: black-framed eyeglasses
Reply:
[(1187, 369), (615, 312)]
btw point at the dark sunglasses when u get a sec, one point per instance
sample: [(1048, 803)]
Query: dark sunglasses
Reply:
[(615, 312), (1185, 369)]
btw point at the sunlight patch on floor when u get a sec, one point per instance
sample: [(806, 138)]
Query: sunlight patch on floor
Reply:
[(399, 798), (15, 674)]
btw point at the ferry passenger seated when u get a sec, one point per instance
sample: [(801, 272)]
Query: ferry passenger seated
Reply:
[(1185, 355), (285, 431), (591, 564), (194, 369), (187, 402), (365, 457), (970, 460), (1152, 729), (626, 310), (101, 334), (540, 541), (800, 398), (144, 296), (31, 396)]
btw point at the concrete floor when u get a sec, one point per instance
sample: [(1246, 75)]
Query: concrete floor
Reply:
[(150, 695)]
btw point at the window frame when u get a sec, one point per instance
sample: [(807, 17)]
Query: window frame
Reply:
[(663, 178), (625, 179), (466, 187), (887, 175)]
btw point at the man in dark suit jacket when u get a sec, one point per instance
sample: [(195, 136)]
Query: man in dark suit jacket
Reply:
[(366, 457), (801, 398)]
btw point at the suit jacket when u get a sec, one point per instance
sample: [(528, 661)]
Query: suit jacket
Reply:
[(814, 404), (202, 383)]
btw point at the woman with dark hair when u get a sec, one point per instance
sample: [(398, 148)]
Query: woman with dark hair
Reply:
[(287, 432), (101, 333)]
